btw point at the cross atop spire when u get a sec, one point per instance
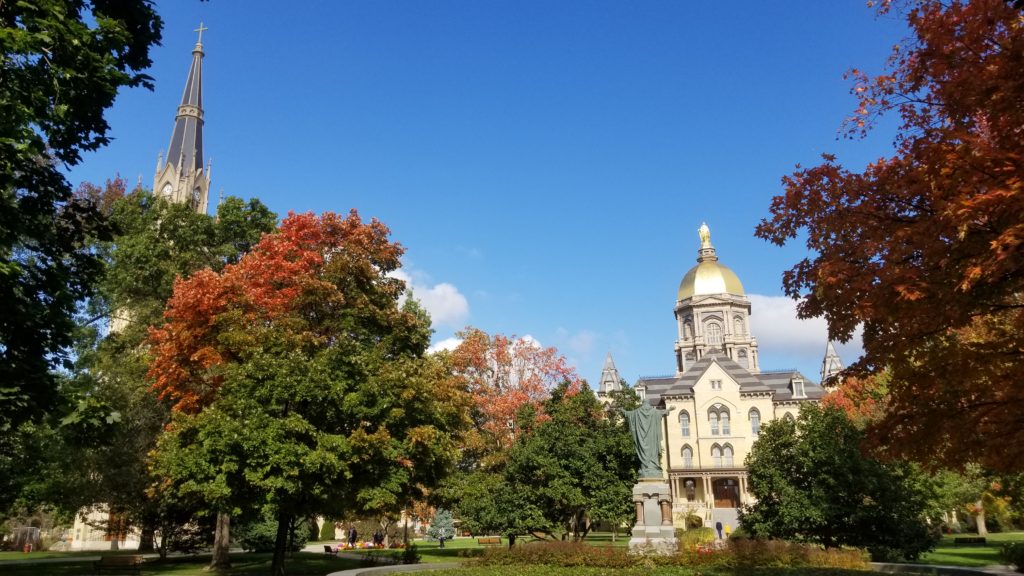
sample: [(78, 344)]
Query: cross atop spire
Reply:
[(201, 29), (830, 365)]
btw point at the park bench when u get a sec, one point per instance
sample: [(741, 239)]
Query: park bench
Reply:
[(128, 563), (330, 551), (489, 541), (968, 540)]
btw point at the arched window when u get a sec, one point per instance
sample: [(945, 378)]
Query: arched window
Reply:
[(727, 456), (737, 324), (713, 419), (684, 422), (716, 456), (687, 330), (687, 454), (755, 422), (789, 417), (714, 333), (724, 417)]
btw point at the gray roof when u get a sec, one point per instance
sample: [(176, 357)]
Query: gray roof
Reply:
[(776, 383), (186, 144)]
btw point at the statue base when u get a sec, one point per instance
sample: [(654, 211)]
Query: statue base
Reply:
[(654, 532)]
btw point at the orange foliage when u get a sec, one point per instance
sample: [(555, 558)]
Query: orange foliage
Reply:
[(504, 374), (925, 249), (273, 279)]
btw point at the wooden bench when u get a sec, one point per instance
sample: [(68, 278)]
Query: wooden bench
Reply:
[(968, 540), (330, 551), (127, 563), (489, 541)]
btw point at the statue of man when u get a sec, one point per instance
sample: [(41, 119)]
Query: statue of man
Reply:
[(645, 425)]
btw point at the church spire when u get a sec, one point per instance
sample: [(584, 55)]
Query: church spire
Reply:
[(182, 177), (610, 379), (830, 365)]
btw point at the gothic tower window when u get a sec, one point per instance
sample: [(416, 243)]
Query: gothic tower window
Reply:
[(727, 456), (738, 326), (713, 420), (724, 417), (716, 456)]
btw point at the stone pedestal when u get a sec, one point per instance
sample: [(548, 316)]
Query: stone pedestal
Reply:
[(653, 531)]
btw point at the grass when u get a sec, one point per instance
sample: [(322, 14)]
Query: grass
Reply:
[(970, 555), (301, 564)]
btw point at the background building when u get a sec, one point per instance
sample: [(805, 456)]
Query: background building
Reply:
[(718, 397)]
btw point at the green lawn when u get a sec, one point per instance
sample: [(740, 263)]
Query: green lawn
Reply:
[(302, 564), (946, 553)]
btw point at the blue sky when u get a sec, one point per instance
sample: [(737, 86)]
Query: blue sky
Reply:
[(546, 164)]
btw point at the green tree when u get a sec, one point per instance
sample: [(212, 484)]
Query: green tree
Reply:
[(63, 62), (573, 468), (442, 526), (104, 441), (813, 484), (300, 384)]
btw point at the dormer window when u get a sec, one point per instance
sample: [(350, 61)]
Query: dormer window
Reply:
[(716, 384), (798, 388)]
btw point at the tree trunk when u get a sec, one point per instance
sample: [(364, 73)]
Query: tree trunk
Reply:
[(980, 518), (221, 543), (147, 538), (280, 543)]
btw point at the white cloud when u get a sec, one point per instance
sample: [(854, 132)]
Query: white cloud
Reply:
[(446, 344), (582, 342), (445, 304), (784, 341)]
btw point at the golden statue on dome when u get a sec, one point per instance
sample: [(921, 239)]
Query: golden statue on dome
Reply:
[(705, 235)]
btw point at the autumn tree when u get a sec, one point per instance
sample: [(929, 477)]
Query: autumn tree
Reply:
[(504, 374), (63, 62), (115, 419), (300, 384), (923, 248)]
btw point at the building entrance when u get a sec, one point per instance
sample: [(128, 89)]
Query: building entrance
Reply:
[(727, 493)]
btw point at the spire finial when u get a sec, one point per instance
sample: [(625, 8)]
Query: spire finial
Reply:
[(201, 29)]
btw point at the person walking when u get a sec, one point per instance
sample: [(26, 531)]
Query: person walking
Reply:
[(718, 528), (352, 535)]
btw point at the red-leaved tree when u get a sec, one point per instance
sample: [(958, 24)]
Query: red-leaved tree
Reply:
[(925, 248)]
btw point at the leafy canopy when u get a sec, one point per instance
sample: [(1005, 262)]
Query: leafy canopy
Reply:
[(925, 248), (61, 65), (812, 483), (300, 385)]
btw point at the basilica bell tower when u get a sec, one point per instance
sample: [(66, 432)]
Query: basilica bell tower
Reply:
[(180, 177)]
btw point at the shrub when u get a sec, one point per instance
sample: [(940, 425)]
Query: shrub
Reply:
[(558, 553), (693, 521), (411, 555), (327, 531), (260, 534), (1013, 553), (695, 537)]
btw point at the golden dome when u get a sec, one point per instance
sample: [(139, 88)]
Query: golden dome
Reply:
[(709, 277)]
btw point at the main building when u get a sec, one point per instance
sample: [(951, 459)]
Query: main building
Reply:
[(718, 397)]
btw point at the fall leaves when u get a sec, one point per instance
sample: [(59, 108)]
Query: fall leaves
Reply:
[(208, 314), (924, 248)]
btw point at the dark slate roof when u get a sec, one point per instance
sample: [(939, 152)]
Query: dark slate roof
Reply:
[(186, 144), (773, 382)]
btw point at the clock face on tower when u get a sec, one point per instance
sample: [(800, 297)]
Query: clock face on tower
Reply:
[(167, 190)]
